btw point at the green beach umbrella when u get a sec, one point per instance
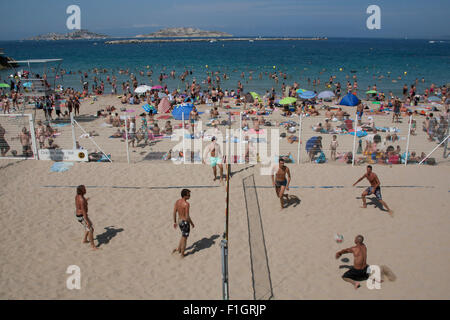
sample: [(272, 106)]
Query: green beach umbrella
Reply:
[(288, 100), (371, 91), (255, 96), (376, 102), (4, 85)]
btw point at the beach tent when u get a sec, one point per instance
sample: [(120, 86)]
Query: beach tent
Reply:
[(181, 109), (349, 100), (164, 105)]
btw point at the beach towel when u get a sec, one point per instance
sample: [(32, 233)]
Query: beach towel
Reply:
[(61, 166)]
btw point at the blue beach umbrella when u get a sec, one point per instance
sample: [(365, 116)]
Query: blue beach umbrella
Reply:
[(181, 109), (307, 95), (434, 99), (27, 85), (301, 90)]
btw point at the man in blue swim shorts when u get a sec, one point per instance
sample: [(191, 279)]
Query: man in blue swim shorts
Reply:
[(215, 158)]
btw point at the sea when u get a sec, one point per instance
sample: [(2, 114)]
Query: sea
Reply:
[(387, 63)]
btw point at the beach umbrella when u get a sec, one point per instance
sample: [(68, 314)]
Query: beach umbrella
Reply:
[(157, 87), (142, 89), (149, 108), (4, 85), (181, 109), (307, 95), (326, 95), (434, 98), (349, 100), (301, 91), (371, 92), (27, 85), (164, 105), (255, 96), (288, 100)]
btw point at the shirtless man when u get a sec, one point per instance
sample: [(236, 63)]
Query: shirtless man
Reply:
[(359, 270), (280, 182), (373, 189), (4, 146), (215, 158), (25, 140), (185, 221), (81, 213)]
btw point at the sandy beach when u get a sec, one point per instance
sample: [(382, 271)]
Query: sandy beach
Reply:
[(131, 209)]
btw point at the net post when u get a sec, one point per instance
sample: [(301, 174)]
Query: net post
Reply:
[(72, 123), (224, 255), (299, 137), (182, 119), (126, 139), (355, 128), (407, 141), (33, 137)]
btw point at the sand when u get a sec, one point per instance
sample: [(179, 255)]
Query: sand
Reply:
[(41, 237)]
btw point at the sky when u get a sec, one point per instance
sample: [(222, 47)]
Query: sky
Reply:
[(420, 19)]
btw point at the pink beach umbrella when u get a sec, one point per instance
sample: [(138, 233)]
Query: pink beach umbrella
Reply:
[(157, 87)]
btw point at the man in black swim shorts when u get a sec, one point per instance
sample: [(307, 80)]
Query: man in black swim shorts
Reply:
[(182, 207), (359, 270), (280, 182)]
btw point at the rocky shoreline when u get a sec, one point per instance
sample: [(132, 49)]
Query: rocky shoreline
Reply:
[(127, 41)]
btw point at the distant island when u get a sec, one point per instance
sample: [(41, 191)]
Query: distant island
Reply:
[(75, 35), (211, 39), (183, 33)]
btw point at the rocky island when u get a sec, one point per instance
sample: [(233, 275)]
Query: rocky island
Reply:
[(184, 33), (75, 35)]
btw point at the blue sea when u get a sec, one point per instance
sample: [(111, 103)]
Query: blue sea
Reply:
[(372, 61)]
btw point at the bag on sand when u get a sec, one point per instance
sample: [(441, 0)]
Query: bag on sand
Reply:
[(431, 161)]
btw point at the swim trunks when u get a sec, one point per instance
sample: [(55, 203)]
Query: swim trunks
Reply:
[(215, 161), (357, 275), (185, 228), (377, 192), (281, 183), (81, 220)]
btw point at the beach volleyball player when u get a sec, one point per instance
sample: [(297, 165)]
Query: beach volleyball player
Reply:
[(373, 189), (184, 220), (280, 182)]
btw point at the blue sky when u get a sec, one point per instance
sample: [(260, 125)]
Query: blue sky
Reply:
[(333, 18)]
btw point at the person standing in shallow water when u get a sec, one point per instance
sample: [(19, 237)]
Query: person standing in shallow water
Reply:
[(184, 220)]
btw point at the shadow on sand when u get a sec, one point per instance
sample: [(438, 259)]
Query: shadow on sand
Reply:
[(199, 245), (106, 236)]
